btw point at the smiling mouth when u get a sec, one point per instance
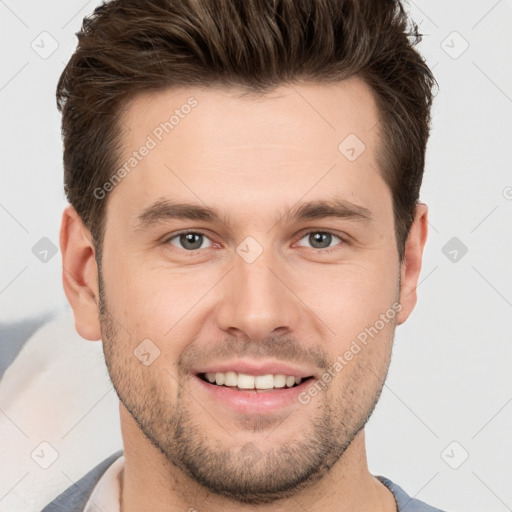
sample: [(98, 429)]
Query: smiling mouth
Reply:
[(246, 382)]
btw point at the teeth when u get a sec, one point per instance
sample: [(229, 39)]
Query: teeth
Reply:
[(231, 379), (264, 382), (245, 381), (279, 381)]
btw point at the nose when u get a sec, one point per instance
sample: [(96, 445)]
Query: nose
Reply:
[(257, 301)]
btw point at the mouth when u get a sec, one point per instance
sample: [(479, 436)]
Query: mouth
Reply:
[(245, 382), (251, 387)]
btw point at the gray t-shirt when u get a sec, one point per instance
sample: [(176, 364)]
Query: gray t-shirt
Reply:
[(75, 497)]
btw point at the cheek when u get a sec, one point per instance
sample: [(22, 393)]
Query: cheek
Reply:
[(359, 365), (160, 305), (351, 296), (153, 297)]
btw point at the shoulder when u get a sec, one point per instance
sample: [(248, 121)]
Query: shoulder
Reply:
[(405, 502), (74, 498)]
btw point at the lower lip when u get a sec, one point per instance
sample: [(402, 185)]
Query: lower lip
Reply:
[(252, 401)]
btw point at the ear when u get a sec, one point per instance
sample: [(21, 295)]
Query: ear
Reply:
[(411, 265), (80, 274)]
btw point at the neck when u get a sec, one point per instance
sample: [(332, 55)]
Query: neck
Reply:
[(150, 482)]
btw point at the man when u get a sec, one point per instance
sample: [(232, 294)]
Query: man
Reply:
[(244, 236)]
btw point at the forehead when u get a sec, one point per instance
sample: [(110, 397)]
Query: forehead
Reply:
[(221, 148)]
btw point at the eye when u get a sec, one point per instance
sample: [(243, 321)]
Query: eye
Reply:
[(321, 240), (188, 241), (192, 241)]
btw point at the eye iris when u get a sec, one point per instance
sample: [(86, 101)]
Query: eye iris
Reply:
[(195, 239), (319, 237)]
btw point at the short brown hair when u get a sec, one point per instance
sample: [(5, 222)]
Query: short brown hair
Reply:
[(131, 46)]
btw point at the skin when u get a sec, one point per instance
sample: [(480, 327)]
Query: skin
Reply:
[(252, 158)]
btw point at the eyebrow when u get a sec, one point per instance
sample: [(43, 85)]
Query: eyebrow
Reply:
[(164, 210)]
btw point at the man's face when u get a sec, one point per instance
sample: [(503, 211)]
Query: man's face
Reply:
[(258, 291)]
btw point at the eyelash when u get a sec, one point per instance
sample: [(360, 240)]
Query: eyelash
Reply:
[(327, 250)]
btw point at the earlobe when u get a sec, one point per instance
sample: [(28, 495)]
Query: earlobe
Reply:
[(80, 274), (411, 266)]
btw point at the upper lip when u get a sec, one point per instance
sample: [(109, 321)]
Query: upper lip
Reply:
[(256, 368)]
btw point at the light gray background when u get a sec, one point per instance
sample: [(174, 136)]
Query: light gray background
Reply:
[(450, 379)]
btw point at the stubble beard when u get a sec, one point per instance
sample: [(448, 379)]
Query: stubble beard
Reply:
[(251, 473)]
